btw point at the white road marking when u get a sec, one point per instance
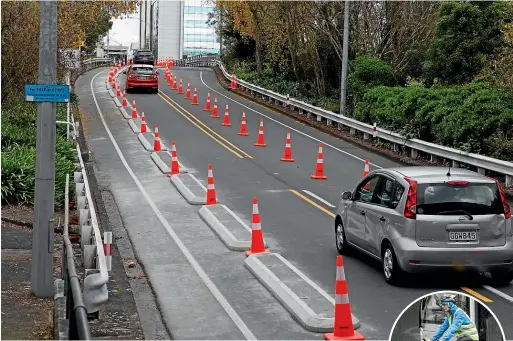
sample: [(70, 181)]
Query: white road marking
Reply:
[(289, 127), (498, 293), (197, 267), (318, 198)]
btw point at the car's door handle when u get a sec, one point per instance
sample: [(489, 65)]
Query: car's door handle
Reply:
[(362, 212), (382, 219)]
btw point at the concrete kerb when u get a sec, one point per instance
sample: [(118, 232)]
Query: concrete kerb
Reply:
[(60, 323), (145, 143), (124, 113), (183, 182), (164, 168), (311, 312), (222, 230), (118, 103), (112, 94), (136, 129)]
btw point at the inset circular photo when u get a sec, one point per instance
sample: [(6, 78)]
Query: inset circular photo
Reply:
[(447, 316)]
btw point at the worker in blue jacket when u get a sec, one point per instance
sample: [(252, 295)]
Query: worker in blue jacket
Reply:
[(456, 323)]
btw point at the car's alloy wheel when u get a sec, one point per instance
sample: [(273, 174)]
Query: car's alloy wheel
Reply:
[(340, 239), (391, 270)]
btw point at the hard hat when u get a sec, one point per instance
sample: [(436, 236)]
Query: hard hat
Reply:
[(448, 298)]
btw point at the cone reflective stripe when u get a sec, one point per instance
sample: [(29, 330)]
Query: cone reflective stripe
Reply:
[(107, 249), (226, 121), (287, 154), (257, 237), (156, 142), (319, 168), (143, 123), (243, 129), (180, 88), (188, 92), (343, 322), (134, 111), (214, 110), (260, 139), (211, 190), (175, 86), (374, 130), (125, 103), (175, 167), (207, 104), (195, 97)]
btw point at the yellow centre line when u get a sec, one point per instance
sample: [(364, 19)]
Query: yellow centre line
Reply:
[(328, 212), (190, 116), (476, 294)]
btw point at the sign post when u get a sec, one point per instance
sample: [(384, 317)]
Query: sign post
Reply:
[(41, 277)]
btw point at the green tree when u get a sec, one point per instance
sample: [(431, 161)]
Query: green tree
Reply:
[(467, 35)]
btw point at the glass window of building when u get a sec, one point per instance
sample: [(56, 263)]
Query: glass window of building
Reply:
[(199, 38)]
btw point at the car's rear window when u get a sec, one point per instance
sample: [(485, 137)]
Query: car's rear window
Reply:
[(445, 199), (146, 54), (143, 71)]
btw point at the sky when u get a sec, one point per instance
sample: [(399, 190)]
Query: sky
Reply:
[(125, 31)]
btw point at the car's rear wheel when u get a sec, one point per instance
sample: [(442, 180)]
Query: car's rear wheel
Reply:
[(501, 278), (392, 272), (340, 238)]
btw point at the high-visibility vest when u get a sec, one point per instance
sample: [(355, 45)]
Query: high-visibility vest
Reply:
[(469, 330)]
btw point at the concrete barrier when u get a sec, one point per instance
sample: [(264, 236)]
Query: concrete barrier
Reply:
[(163, 162), (190, 188)]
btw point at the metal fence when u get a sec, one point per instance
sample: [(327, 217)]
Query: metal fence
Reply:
[(436, 152)]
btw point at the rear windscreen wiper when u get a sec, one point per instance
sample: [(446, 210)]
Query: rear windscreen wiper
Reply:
[(458, 211)]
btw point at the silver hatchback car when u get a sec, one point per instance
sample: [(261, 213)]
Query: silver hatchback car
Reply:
[(425, 218)]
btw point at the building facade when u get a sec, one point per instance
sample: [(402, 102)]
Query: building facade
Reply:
[(178, 28)]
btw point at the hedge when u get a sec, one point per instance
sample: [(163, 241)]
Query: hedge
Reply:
[(19, 154), (474, 117)]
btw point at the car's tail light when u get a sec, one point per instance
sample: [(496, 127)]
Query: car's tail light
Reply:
[(458, 183), (507, 208), (410, 209)]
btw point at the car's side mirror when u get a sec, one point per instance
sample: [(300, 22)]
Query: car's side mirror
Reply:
[(157, 72), (347, 195), (124, 72)]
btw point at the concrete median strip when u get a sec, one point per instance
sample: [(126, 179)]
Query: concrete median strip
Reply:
[(232, 231), (134, 125), (112, 94), (190, 188), (311, 306), (163, 162), (118, 103), (147, 140), (124, 113)]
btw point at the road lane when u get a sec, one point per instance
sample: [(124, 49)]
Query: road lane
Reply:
[(300, 231)]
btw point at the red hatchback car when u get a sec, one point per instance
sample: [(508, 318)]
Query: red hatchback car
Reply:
[(142, 76)]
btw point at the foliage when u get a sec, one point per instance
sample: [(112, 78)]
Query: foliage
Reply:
[(77, 21), (474, 117), (468, 34), (19, 154)]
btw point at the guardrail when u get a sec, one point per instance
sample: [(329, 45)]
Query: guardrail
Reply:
[(457, 157)]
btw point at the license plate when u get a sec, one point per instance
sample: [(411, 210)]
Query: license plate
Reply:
[(143, 78), (463, 236)]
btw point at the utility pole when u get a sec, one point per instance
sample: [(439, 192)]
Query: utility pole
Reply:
[(345, 55), (41, 281), (151, 27)]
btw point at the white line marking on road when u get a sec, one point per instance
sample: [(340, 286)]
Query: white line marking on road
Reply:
[(318, 198), (498, 293), (283, 124), (197, 267)]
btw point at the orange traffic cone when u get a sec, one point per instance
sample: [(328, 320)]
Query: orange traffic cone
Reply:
[(243, 130), (211, 190), (175, 167), (366, 169), (207, 104), (143, 123), (188, 91), (174, 83), (287, 154), (260, 139), (214, 110), (134, 111), (125, 103), (156, 143), (319, 169), (195, 98), (226, 121), (180, 88), (343, 324), (234, 82), (257, 237)]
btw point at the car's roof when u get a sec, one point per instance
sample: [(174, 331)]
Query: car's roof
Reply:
[(425, 174)]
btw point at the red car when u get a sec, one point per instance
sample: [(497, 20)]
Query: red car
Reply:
[(142, 76)]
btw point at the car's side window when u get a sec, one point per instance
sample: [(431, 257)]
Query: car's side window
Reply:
[(384, 191), (397, 196), (365, 191)]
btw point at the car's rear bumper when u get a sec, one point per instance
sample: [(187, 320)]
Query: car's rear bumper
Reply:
[(430, 258), (152, 85)]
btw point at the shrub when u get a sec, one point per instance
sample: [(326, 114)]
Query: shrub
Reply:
[(467, 117)]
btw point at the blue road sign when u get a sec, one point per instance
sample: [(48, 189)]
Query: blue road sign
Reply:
[(46, 93)]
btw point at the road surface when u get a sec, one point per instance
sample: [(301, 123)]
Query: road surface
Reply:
[(297, 212)]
